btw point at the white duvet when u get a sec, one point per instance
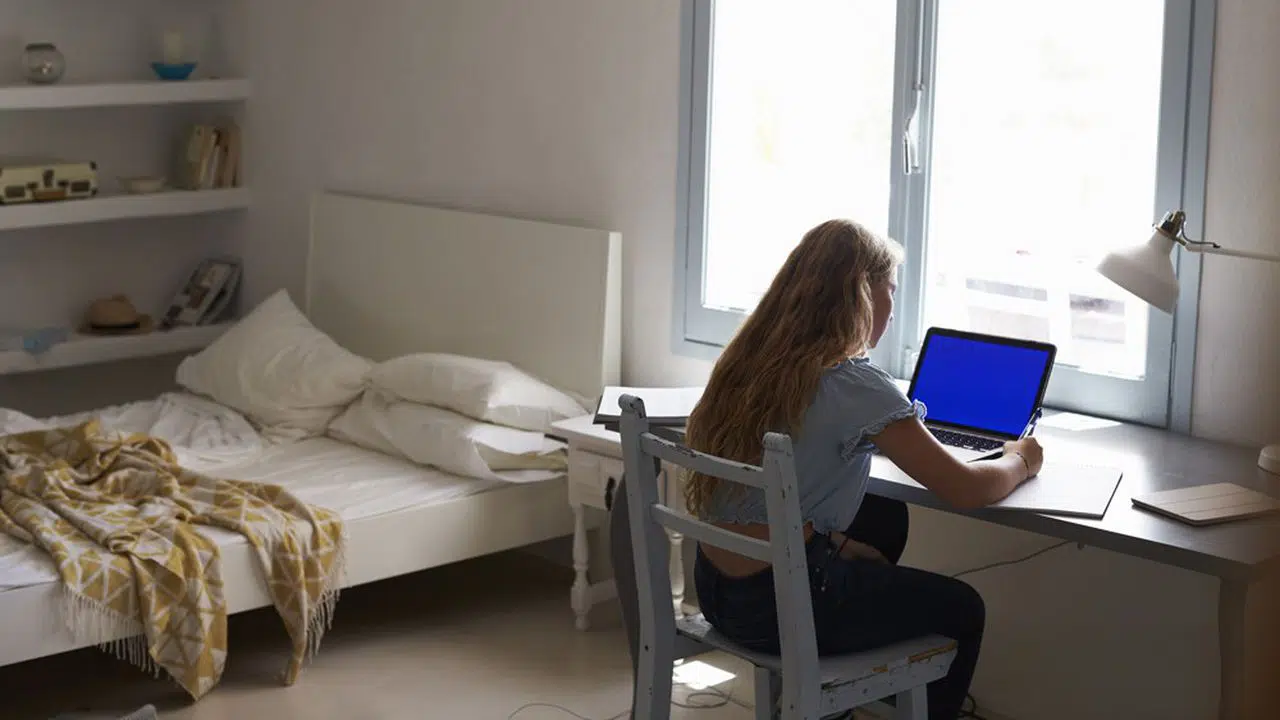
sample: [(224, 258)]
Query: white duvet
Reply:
[(202, 433), (208, 437)]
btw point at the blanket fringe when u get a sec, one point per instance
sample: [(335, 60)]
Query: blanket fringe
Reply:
[(322, 617), (91, 622)]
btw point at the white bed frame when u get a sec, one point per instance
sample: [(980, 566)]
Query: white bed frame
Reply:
[(388, 278)]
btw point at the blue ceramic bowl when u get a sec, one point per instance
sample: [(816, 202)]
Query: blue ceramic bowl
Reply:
[(165, 71)]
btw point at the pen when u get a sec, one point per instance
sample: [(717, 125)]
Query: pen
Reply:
[(1031, 424)]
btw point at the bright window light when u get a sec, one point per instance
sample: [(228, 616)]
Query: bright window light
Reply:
[(698, 675), (800, 131), (1039, 174)]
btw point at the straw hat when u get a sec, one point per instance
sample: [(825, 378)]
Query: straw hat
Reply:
[(115, 315)]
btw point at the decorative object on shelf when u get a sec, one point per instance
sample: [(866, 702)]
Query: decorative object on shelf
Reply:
[(26, 180), (172, 52), (143, 185), (210, 157), (33, 341), (1146, 270), (166, 71), (174, 64), (206, 297), (43, 63), (115, 315)]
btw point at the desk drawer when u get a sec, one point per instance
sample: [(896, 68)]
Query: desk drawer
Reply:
[(592, 478)]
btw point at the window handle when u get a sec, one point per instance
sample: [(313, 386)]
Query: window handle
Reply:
[(911, 129), (911, 136)]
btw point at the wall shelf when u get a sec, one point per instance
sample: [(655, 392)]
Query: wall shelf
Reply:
[(122, 207), (93, 349), (143, 92)]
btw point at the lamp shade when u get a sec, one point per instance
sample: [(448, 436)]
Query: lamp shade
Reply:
[(1146, 271)]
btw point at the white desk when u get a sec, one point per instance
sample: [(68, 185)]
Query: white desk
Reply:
[(1239, 554), (595, 469)]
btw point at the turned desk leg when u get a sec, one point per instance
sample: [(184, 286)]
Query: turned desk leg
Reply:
[(676, 567), (674, 495), (1232, 595), (580, 593)]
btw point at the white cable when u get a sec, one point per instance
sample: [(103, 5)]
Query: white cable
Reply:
[(724, 698), (562, 709)]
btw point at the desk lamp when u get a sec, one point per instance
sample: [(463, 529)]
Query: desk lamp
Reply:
[(1147, 271)]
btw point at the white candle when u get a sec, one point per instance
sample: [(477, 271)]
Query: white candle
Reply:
[(173, 48)]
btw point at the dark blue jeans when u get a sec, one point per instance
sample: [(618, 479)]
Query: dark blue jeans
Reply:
[(858, 604)]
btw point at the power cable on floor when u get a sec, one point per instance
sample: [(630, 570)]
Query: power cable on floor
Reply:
[(721, 698)]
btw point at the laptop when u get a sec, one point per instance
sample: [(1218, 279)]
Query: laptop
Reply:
[(980, 391)]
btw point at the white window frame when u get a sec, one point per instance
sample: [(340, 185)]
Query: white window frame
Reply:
[(1163, 398)]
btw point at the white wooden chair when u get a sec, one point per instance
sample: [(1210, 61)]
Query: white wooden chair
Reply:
[(799, 684)]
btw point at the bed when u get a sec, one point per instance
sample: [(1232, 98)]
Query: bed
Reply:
[(385, 279)]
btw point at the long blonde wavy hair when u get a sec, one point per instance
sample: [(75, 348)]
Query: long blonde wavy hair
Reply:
[(817, 312)]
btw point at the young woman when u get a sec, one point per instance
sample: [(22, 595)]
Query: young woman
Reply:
[(798, 365)]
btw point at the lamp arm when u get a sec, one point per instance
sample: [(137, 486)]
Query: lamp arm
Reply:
[(1173, 227), (1206, 248)]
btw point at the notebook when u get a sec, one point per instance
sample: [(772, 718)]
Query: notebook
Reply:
[(1063, 489), (1209, 504), (668, 407)]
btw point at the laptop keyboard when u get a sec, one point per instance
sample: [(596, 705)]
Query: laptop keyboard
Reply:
[(968, 442)]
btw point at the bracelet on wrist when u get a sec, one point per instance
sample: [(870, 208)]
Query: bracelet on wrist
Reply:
[(1025, 464)]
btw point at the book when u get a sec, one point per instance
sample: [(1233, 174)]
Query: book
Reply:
[(230, 175), (210, 157), (664, 406)]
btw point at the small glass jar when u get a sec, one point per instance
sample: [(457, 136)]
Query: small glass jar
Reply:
[(43, 63)]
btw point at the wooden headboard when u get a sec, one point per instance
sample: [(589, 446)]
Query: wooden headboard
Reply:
[(390, 278)]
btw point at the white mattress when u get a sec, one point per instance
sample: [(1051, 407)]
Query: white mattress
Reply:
[(210, 438)]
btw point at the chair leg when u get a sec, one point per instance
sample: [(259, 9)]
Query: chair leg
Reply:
[(913, 704), (768, 690), (653, 681)]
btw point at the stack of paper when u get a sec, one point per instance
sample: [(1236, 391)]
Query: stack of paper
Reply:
[(663, 406)]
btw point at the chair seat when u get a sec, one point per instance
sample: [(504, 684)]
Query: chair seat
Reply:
[(835, 670)]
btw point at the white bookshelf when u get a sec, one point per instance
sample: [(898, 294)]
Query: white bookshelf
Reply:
[(116, 94), (91, 349), (122, 207), (109, 108)]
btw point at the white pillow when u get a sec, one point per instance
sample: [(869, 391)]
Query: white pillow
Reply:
[(275, 367), (446, 440), (489, 390)]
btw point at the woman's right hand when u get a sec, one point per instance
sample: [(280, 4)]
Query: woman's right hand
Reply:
[(1031, 452)]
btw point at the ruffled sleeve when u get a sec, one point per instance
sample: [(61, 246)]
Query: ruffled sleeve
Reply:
[(865, 400)]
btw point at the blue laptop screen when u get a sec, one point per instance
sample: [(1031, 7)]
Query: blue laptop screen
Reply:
[(982, 385)]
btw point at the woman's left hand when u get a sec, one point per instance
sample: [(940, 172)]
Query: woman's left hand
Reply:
[(853, 550)]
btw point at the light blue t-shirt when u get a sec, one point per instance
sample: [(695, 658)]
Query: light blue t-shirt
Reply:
[(854, 401)]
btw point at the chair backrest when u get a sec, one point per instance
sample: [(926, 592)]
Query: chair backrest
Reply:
[(784, 550)]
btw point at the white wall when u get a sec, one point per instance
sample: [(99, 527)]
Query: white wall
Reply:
[(1237, 386), (567, 110)]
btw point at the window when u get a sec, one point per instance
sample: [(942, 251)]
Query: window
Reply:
[(1006, 144)]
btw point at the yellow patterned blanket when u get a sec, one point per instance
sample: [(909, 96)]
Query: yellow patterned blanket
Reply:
[(119, 517)]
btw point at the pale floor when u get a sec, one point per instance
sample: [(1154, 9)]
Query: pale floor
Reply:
[(474, 640)]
